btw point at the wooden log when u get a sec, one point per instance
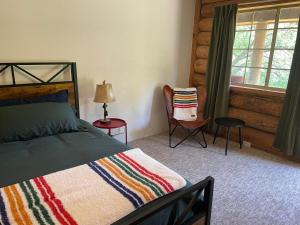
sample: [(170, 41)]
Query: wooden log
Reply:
[(212, 1), (258, 139), (198, 80), (255, 120), (256, 104), (206, 24), (202, 52), (203, 38), (208, 7), (207, 11), (249, 3), (200, 66), (253, 92), (195, 32), (224, 2)]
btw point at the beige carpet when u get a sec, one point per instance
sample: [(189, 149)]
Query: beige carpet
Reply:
[(251, 187)]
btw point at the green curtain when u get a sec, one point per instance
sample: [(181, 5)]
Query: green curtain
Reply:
[(217, 78), (288, 131)]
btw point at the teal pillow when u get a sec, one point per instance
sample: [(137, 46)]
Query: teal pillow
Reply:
[(25, 122)]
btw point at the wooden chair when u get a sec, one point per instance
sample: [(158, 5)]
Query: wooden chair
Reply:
[(192, 127)]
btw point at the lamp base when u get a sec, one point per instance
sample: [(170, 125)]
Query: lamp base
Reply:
[(106, 120)]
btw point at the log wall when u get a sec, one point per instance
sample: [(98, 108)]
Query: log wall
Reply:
[(259, 109)]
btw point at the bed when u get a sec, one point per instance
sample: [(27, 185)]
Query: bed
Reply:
[(24, 160)]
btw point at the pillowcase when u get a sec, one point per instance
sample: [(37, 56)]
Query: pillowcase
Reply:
[(60, 96), (25, 122)]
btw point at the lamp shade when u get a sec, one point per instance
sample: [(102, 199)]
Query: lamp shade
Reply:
[(104, 93)]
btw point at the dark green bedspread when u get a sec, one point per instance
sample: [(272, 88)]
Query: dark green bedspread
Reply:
[(24, 160)]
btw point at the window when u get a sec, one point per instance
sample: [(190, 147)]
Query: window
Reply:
[(264, 47)]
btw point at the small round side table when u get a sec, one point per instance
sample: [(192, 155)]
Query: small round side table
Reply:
[(229, 122), (114, 123)]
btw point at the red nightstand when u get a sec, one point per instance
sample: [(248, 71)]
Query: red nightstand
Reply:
[(114, 123)]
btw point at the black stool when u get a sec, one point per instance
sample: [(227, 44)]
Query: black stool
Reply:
[(229, 122)]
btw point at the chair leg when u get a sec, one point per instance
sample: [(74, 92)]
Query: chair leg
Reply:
[(189, 134), (170, 135), (217, 130), (203, 137), (171, 132), (186, 137), (240, 137), (205, 143), (228, 132)]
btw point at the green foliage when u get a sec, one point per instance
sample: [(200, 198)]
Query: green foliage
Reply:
[(282, 58)]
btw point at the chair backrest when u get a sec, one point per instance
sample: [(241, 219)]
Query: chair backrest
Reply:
[(168, 95)]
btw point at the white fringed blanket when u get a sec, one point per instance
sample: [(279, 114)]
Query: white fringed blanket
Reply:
[(100, 192), (185, 104)]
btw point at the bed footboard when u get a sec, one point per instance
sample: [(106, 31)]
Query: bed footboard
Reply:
[(198, 199)]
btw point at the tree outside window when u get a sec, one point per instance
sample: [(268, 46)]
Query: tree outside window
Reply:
[(264, 47)]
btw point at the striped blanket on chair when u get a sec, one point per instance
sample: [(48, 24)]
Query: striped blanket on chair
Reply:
[(100, 192), (185, 104)]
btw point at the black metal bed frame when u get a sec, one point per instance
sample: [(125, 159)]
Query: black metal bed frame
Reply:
[(194, 192), (66, 65)]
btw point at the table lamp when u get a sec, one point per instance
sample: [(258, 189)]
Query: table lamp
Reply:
[(104, 94)]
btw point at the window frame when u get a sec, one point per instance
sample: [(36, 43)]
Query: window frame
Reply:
[(272, 49)]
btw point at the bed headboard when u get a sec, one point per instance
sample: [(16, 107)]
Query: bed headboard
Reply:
[(21, 80)]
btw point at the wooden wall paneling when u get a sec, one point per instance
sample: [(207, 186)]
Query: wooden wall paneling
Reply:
[(202, 52), (215, 3), (246, 2), (207, 11), (198, 80), (255, 120), (206, 24), (258, 139), (195, 39), (200, 66), (256, 104), (203, 38), (212, 1), (274, 95)]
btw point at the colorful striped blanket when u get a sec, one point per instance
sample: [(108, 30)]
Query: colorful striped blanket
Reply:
[(100, 192), (185, 104)]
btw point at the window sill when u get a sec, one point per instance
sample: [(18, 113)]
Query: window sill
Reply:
[(256, 91)]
